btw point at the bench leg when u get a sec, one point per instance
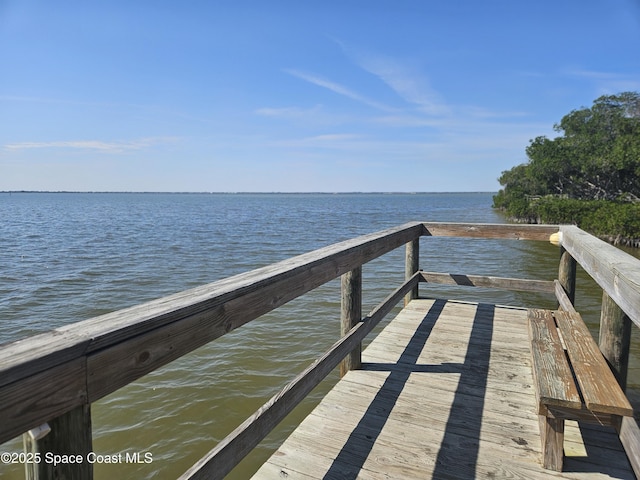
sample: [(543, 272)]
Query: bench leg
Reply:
[(552, 433)]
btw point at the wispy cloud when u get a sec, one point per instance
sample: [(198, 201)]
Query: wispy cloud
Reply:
[(95, 145), (407, 81), (412, 86), (337, 88), (287, 112), (431, 127), (407, 120)]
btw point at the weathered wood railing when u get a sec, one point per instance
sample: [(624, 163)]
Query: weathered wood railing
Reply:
[(54, 377), (618, 274)]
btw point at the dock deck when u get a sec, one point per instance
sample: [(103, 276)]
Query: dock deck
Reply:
[(445, 391)]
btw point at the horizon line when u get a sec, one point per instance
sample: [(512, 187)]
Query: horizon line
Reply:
[(407, 192)]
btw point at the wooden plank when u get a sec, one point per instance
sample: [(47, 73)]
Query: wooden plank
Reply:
[(563, 299), (396, 464), (520, 284), (583, 414), (327, 427), (551, 372), (34, 354), (459, 329), (502, 379), (121, 364), (41, 397), (617, 272), (630, 439), (599, 388), (502, 418), (269, 471), (440, 389), (488, 230), (335, 419), (457, 353)]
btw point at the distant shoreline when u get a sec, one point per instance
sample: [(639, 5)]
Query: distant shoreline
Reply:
[(242, 193)]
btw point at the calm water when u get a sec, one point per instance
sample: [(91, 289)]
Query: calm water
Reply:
[(69, 257)]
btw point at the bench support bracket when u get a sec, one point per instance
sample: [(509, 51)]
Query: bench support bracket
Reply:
[(552, 433)]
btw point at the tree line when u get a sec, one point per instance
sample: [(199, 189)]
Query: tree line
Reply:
[(588, 175)]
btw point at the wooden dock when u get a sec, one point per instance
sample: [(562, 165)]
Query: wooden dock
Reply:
[(445, 391)]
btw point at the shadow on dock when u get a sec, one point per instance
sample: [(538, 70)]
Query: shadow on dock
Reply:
[(474, 371)]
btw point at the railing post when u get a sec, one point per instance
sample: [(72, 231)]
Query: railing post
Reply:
[(615, 338), (30, 444), (567, 274), (350, 315), (411, 266), (70, 435)]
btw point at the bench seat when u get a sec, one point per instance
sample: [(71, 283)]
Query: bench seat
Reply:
[(572, 380)]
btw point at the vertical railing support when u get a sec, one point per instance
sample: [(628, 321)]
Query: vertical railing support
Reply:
[(615, 338), (350, 315), (411, 266), (34, 456), (567, 274), (70, 435)]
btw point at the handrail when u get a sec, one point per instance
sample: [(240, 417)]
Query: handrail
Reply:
[(53, 374), (617, 272), (563, 299), (543, 286), (509, 231), (85, 361)]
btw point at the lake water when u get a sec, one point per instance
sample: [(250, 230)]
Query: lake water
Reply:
[(66, 257)]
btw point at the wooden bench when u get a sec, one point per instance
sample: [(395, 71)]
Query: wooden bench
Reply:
[(572, 380)]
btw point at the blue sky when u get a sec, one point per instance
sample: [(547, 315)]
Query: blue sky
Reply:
[(332, 96)]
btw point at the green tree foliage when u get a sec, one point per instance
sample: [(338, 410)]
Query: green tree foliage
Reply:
[(595, 159)]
